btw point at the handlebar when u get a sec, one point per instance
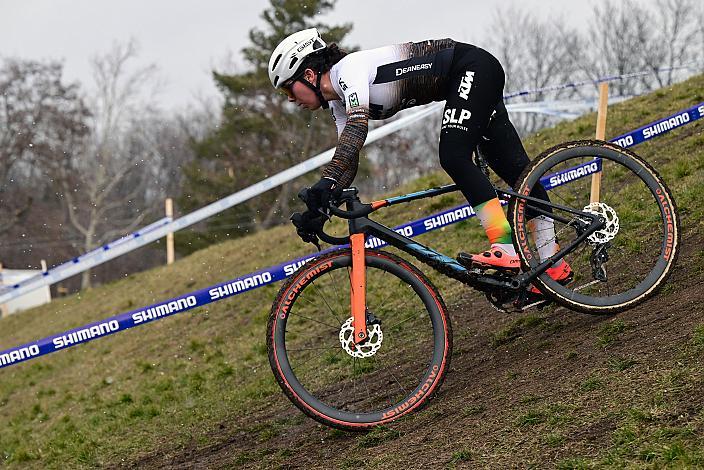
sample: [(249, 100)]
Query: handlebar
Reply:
[(331, 239), (366, 209), (348, 196)]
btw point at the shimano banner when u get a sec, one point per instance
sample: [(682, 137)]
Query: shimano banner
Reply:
[(662, 126), (276, 273)]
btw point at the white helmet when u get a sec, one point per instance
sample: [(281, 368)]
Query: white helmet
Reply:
[(288, 55)]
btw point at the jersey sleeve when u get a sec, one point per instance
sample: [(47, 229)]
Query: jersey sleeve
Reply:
[(352, 124)]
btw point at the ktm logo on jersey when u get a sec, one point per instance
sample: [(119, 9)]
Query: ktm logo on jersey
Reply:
[(466, 85)]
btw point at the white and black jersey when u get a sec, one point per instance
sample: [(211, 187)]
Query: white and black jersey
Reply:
[(385, 80)]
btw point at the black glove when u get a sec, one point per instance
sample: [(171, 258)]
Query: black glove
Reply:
[(319, 195), (307, 224)]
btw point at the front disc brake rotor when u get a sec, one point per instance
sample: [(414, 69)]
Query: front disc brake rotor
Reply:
[(366, 349)]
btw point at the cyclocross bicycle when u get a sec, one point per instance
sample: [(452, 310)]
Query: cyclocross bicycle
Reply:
[(360, 337)]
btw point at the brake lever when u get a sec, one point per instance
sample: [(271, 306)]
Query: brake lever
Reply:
[(303, 196), (303, 234), (316, 242)]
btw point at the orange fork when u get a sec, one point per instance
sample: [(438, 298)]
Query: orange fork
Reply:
[(358, 286)]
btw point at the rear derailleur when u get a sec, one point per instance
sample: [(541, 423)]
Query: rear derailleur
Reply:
[(597, 260)]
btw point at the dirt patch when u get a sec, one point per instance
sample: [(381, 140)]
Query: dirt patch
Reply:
[(554, 390)]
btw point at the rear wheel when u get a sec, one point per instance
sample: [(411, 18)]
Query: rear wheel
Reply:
[(625, 262), (394, 372)]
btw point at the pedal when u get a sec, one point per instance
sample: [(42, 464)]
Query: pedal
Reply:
[(465, 259)]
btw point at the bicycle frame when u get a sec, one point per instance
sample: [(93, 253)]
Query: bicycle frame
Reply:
[(360, 227)]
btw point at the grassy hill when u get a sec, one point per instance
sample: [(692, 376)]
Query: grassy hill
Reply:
[(550, 388)]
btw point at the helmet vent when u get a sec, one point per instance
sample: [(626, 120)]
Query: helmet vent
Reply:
[(318, 45), (293, 62), (278, 58)]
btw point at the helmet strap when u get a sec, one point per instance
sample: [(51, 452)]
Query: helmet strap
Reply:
[(316, 88)]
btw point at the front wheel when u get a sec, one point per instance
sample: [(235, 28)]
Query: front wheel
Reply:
[(627, 260), (315, 361)]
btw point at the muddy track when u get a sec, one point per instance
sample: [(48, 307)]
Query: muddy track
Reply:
[(488, 391)]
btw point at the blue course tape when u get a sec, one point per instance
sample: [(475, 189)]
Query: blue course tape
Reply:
[(662, 126), (567, 176), (276, 273), (207, 295)]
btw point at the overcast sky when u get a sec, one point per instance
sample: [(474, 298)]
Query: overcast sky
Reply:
[(186, 39)]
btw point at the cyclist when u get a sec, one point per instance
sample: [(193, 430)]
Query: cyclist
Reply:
[(377, 83)]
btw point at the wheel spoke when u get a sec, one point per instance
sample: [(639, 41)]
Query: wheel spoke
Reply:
[(393, 364), (628, 191)]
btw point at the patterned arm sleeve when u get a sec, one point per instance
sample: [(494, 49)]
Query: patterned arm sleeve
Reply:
[(345, 162)]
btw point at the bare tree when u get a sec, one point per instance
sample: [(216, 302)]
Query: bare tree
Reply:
[(39, 115), (105, 185), (700, 40), (400, 157), (628, 37), (614, 42), (676, 40), (535, 53)]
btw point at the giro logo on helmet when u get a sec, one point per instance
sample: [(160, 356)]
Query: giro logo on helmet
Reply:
[(304, 45)]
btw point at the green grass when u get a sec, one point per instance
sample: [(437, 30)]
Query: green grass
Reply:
[(591, 384), (172, 383), (548, 417), (531, 418), (516, 329), (610, 332), (463, 455), (573, 464), (553, 439), (620, 364), (698, 338), (377, 436), (473, 410)]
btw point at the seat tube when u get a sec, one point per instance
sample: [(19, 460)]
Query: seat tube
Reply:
[(358, 288)]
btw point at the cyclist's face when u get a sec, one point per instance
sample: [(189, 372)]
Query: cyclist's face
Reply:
[(301, 94)]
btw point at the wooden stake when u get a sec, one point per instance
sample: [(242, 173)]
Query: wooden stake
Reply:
[(600, 135), (169, 236)]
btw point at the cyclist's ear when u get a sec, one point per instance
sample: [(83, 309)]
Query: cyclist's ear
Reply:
[(309, 75)]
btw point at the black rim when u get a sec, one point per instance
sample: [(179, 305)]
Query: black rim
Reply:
[(642, 252), (342, 390)]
